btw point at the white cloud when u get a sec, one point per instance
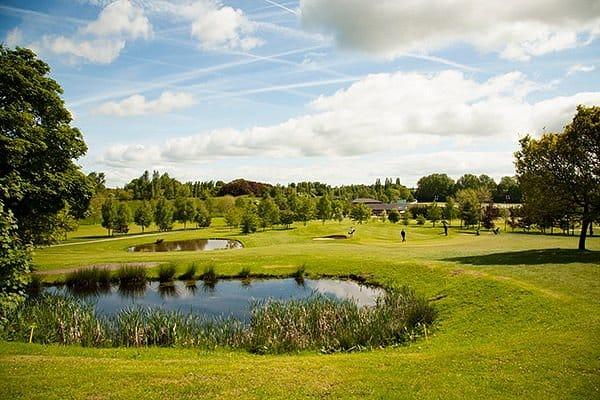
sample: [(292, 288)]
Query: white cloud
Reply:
[(580, 68), (14, 37), (138, 105), (515, 29), (102, 40), (404, 111), (100, 51), (120, 18)]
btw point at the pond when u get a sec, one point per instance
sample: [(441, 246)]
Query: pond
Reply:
[(226, 297), (187, 245)]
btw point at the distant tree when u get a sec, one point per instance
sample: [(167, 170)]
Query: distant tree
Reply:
[(15, 259), (504, 214), (489, 215), (406, 217), (383, 216), (428, 187), (163, 215), (202, 216), (286, 217), (324, 208), (508, 191), (337, 210), (470, 202), (394, 216), (305, 209), (232, 217), (143, 215), (185, 210), (65, 223), (249, 219), (434, 213), (123, 218), (450, 210), (38, 148), (421, 220), (98, 181), (565, 167), (109, 215), (268, 212), (360, 213)]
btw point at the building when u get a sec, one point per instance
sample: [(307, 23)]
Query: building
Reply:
[(378, 207)]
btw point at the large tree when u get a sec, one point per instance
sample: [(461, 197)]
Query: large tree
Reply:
[(565, 167), (434, 185), (38, 146)]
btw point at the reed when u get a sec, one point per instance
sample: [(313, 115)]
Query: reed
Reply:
[(132, 276), (88, 279), (209, 275), (190, 272), (166, 273)]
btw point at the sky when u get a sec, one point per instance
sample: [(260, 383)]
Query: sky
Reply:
[(339, 91)]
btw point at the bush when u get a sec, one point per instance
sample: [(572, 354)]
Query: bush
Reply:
[(190, 272), (132, 276), (244, 272), (166, 273), (420, 220), (88, 279), (210, 274)]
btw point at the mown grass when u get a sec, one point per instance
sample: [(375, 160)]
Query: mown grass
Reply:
[(510, 326)]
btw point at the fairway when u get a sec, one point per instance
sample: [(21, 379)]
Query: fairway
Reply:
[(519, 317)]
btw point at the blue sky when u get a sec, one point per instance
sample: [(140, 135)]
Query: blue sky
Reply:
[(342, 91)]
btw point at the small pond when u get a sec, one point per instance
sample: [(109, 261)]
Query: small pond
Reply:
[(187, 245), (226, 297)]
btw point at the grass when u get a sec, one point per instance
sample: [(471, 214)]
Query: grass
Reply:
[(518, 317), (209, 276), (317, 323), (166, 273), (88, 280), (131, 276), (190, 272)]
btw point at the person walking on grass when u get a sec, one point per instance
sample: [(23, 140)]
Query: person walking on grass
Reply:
[(403, 234)]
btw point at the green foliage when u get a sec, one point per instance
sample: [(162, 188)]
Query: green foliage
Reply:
[(360, 213), (202, 217), (15, 259), (232, 216), (435, 185), (286, 217), (470, 203), (109, 215), (184, 211), (166, 272), (338, 209), (88, 279), (324, 208), (132, 276), (163, 215), (305, 209), (393, 216), (244, 272), (210, 274), (38, 175), (489, 215), (268, 212), (190, 272), (434, 213), (249, 220), (421, 219), (406, 217), (143, 215), (123, 218), (450, 209)]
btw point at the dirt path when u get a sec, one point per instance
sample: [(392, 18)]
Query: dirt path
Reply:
[(109, 266)]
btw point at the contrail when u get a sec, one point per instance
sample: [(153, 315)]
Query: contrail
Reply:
[(296, 13)]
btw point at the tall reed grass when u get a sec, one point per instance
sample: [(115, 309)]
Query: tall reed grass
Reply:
[(88, 280), (166, 273), (317, 323)]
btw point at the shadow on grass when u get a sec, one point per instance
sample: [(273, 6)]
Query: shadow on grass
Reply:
[(531, 257)]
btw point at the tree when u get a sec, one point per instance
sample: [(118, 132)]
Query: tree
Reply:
[(109, 215), (324, 209), (421, 220), (406, 217), (286, 217), (469, 204), (337, 210), (202, 216), (268, 212), (434, 213), (508, 191), (360, 213), (143, 215), (450, 210), (185, 210), (38, 175), (15, 259), (249, 219), (232, 216), (565, 167), (163, 215), (65, 222), (435, 185), (305, 209), (123, 218), (489, 215), (394, 216)]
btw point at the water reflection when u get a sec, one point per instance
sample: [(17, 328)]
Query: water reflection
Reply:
[(225, 297), (187, 245)]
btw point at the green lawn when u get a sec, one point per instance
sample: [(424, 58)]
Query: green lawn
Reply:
[(519, 318)]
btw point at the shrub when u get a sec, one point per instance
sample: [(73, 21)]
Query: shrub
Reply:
[(166, 273), (132, 276), (210, 274), (190, 272), (420, 220), (244, 272)]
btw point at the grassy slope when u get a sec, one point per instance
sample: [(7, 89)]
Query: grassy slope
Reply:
[(521, 319)]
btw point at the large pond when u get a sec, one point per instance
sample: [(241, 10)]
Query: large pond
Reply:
[(187, 245), (226, 297)]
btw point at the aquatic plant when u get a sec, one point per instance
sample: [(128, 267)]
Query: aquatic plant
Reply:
[(166, 273), (190, 272)]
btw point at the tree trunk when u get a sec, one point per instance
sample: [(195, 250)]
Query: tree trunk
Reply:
[(583, 234), (591, 229)]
